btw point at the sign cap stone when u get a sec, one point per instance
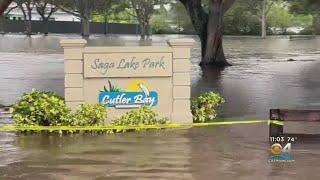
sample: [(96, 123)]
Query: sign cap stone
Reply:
[(73, 42), (181, 42)]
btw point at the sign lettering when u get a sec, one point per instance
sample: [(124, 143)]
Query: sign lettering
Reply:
[(128, 65)]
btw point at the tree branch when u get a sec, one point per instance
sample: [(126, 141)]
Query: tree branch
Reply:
[(4, 5), (227, 4), (41, 9), (20, 5), (269, 7), (197, 14), (131, 14), (75, 13), (10, 9), (52, 10)]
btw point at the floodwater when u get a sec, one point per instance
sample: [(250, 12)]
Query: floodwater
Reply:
[(260, 79)]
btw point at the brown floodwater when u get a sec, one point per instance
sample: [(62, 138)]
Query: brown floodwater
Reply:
[(260, 79)]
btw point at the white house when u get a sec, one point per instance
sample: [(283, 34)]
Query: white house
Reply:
[(16, 14)]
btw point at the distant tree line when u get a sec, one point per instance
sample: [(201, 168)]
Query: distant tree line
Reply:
[(209, 19), (141, 10), (248, 17), (245, 17)]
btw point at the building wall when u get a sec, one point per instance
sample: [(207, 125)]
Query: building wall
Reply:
[(16, 14), (61, 27)]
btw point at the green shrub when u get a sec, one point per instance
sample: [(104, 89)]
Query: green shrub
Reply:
[(90, 115), (141, 116), (159, 22), (203, 107), (307, 31), (41, 108)]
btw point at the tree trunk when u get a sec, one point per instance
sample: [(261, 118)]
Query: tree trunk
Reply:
[(29, 24), (203, 40), (214, 54), (316, 24), (105, 28), (28, 28), (85, 27), (148, 30), (209, 29), (45, 27), (263, 20), (263, 27), (2, 24), (144, 31)]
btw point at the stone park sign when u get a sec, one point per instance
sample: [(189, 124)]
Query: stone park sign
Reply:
[(124, 78)]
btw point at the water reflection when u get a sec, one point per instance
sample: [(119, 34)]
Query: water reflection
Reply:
[(160, 155), (9, 153), (261, 78), (225, 152)]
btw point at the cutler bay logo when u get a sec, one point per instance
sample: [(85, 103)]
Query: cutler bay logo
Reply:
[(137, 94)]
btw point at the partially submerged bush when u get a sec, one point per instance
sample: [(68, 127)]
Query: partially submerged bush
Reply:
[(141, 116), (41, 108), (204, 107), (90, 115), (47, 109)]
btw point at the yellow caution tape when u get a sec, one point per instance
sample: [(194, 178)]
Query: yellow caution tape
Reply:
[(227, 123), (280, 123), (127, 128), (89, 128)]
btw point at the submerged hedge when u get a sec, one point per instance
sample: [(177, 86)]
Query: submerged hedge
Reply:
[(204, 107), (41, 108), (46, 111), (113, 129)]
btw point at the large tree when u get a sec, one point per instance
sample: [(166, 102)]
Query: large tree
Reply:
[(82, 9), (144, 9), (3, 18), (108, 7), (45, 9), (26, 7), (4, 5), (178, 15), (280, 17), (209, 27), (264, 10), (260, 9), (308, 7)]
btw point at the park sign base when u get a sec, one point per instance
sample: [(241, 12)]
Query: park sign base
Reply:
[(126, 78)]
